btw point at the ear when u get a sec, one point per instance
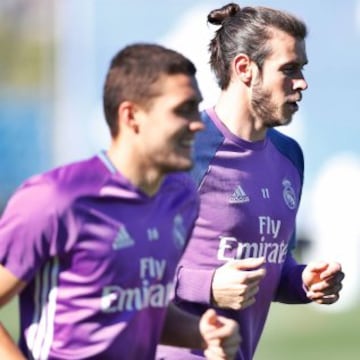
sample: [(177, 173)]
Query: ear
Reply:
[(127, 118), (242, 68)]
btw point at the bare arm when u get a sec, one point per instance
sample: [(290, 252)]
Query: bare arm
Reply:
[(8, 348), (10, 286)]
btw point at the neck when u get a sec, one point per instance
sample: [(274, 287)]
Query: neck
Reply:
[(132, 166), (233, 109)]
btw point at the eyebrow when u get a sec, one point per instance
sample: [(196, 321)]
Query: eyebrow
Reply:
[(195, 99), (295, 62)]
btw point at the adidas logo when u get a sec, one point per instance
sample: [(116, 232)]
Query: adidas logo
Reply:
[(238, 196), (123, 239)]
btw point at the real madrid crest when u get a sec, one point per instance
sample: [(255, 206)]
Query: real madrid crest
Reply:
[(289, 194)]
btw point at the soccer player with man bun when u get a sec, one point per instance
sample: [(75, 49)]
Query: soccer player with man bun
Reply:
[(250, 179)]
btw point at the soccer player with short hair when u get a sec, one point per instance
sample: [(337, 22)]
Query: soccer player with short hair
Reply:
[(91, 247)]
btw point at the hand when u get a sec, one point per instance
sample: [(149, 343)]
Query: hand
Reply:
[(221, 336), (236, 283), (323, 281)]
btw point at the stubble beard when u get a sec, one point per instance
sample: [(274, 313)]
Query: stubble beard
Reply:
[(264, 109), (173, 163)]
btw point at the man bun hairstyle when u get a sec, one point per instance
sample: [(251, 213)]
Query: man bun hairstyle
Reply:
[(246, 30), (217, 16)]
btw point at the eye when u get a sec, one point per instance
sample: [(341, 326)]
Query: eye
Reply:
[(188, 109), (293, 70)]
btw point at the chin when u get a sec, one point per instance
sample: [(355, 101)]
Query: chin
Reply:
[(185, 167), (285, 120), (184, 162), (178, 166), (288, 121), (277, 123)]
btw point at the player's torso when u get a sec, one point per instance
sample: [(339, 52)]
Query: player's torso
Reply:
[(249, 194), (115, 278), (249, 201), (133, 248)]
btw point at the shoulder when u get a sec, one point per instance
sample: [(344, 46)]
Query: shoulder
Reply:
[(57, 188), (211, 136), (281, 139), (79, 177), (288, 147), (207, 144)]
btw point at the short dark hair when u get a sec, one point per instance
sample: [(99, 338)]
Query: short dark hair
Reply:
[(247, 31), (134, 73)]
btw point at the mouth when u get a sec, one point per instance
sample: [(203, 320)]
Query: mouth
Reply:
[(293, 102), (293, 106), (184, 147), (186, 143)]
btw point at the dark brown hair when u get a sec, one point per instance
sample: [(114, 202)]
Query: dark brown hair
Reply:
[(246, 31), (134, 73)]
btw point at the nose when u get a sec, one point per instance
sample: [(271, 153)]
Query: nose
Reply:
[(300, 84), (196, 125)]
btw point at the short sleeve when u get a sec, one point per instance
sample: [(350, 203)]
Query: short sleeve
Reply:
[(29, 229)]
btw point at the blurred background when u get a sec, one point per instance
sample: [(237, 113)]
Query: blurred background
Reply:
[(53, 59)]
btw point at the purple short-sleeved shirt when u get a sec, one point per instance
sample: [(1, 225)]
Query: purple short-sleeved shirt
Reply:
[(98, 256)]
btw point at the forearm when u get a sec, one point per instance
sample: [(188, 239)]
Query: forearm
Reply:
[(194, 285), (181, 329), (291, 289), (8, 348)]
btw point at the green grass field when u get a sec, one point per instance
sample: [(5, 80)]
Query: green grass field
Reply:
[(293, 332), (298, 332), (9, 317)]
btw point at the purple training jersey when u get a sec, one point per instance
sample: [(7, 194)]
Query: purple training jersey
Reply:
[(250, 193), (98, 257)]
